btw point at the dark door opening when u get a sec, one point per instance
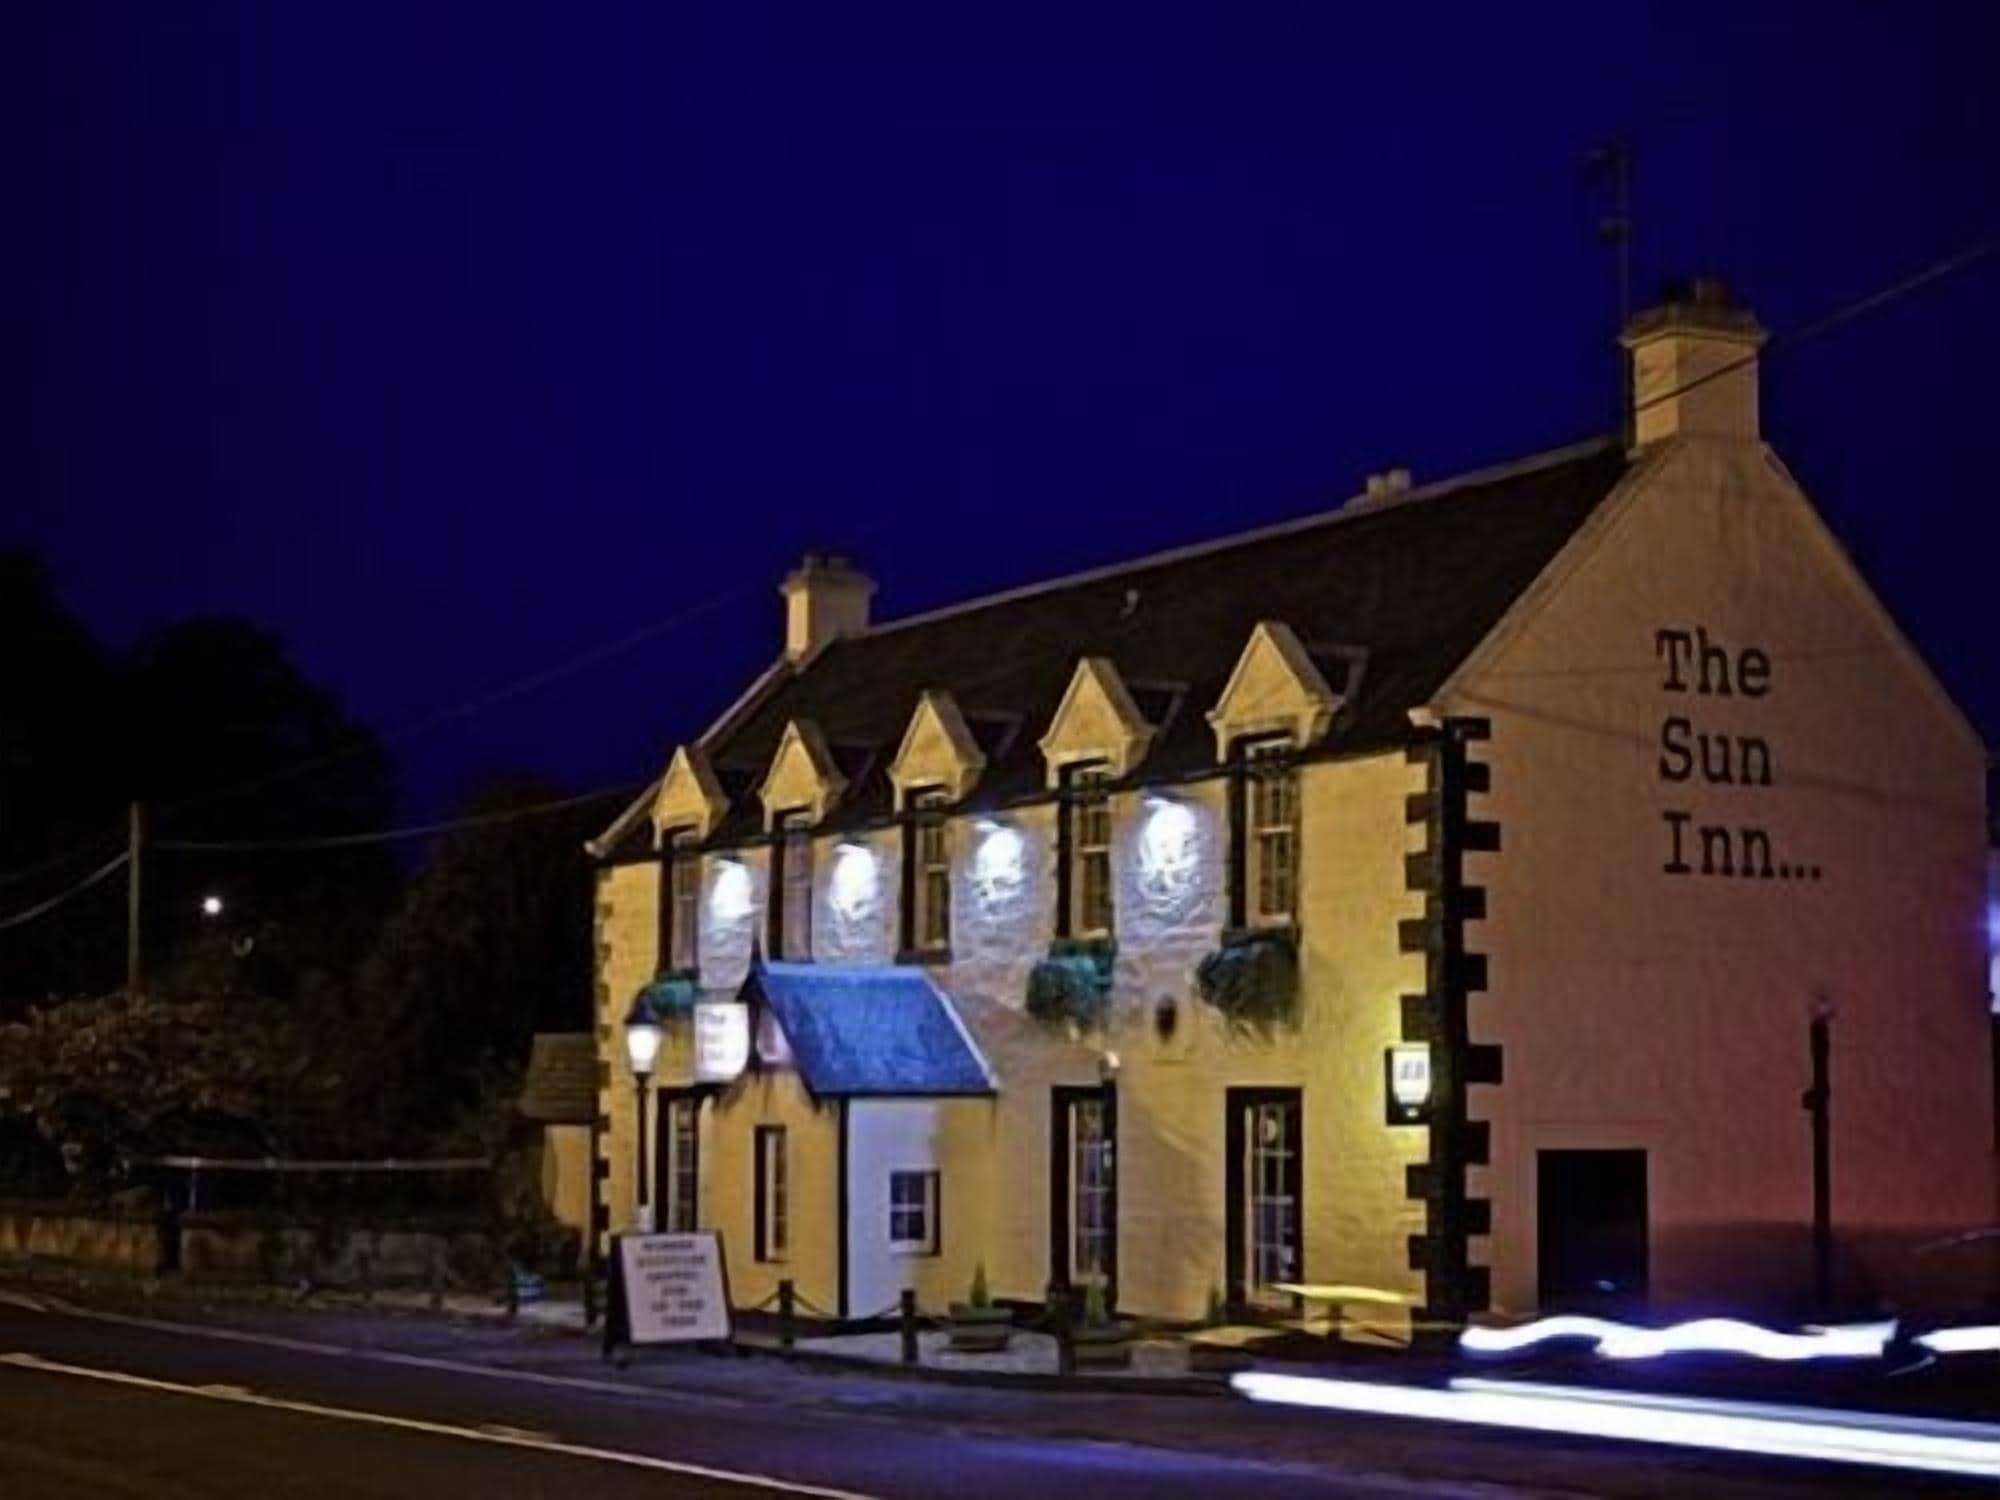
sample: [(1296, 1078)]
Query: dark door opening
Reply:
[(1591, 1229), (1083, 1189), (1264, 1218)]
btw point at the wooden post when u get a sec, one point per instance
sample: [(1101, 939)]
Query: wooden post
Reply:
[(906, 1319), (135, 947), (787, 1313)]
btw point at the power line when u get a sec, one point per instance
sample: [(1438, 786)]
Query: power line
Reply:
[(42, 909), (69, 856), (389, 835)]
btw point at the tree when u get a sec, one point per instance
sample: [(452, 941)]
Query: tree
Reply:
[(490, 944)]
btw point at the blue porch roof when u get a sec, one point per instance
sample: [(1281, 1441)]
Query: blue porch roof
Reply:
[(855, 1030)]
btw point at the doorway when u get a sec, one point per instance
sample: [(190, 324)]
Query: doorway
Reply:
[(1265, 1216), (1591, 1230)]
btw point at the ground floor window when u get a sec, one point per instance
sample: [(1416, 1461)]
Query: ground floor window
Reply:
[(913, 1212), (680, 1168), (773, 1208)]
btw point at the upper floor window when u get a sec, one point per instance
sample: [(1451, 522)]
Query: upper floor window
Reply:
[(913, 1218), (773, 1205), (680, 902), (1086, 810), (790, 935), (930, 888), (1272, 852)]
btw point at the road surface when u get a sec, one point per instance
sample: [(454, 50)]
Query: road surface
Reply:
[(117, 1408)]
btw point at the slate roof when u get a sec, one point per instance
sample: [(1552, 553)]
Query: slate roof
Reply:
[(869, 1031), (1413, 583), (561, 1084)]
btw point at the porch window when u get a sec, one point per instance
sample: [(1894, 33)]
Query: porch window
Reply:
[(773, 1206), (1091, 1166), (913, 1212)]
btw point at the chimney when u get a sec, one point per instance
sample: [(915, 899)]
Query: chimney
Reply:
[(825, 598), (1694, 366), (1387, 485)]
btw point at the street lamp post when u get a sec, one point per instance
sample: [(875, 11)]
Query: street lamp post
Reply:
[(642, 1050)]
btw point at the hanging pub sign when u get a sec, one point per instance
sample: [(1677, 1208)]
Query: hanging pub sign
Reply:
[(1407, 1080), (721, 1040), (667, 1289)]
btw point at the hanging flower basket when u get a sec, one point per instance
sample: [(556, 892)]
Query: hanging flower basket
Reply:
[(671, 997), (1072, 986), (1253, 980)]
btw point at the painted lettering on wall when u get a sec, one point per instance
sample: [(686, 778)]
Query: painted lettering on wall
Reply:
[(1695, 753)]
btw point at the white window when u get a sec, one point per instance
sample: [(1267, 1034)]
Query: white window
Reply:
[(932, 887), (774, 1226), (1091, 1166), (791, 937), (1090, 851), (913, 1216), (682, 1164), (1272, 856), (684, 902)]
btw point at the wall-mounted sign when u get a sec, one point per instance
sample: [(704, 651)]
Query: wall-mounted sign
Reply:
[(667, 1289), (1407, 1079), (721, 1040)]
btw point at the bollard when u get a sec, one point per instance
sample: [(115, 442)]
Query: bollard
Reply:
[(906, 1317), (787, 1298), (513, 1295), (589, 1296), (437, 1277), (365, 1260), (1059, 1319)]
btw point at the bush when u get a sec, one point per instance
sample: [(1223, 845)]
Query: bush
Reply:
[(1253, 980)]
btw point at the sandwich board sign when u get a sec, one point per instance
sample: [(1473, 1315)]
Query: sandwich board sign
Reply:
[(667, 1289)]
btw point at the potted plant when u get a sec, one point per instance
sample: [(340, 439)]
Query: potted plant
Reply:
[(1101, 1342), (1072, 987), (977, 1326), (1252, 979), (1209, 1356)]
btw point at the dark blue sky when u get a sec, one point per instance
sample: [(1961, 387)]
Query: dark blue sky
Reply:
[(451, 339)]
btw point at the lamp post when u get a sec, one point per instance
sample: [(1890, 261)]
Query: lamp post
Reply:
[(642, 1050)]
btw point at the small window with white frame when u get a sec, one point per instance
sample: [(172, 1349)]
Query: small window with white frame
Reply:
[(790, 935), (1088, 806), (1271, 853), (774, 1195), (913, 1212)]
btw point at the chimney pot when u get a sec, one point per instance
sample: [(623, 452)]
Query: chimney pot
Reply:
[(826, 598)]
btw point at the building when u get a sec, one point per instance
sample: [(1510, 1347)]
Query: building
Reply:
[(1441, 895)]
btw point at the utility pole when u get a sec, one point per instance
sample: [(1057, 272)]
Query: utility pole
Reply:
[(1613, 160), (135, 947)]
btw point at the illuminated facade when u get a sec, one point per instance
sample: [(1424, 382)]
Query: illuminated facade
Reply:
[(1573, 790)]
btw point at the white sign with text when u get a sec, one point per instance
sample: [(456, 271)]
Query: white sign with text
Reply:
[(674, 1289), (721, 1040)]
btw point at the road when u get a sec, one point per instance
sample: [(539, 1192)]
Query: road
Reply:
[(90, 1407)]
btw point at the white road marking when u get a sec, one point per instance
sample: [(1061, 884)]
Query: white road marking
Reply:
[(21, 1300), (502, 1437)]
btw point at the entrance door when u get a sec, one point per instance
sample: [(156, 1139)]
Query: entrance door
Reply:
[(1591, 1229), (1265, 1215), (1083, 1189)]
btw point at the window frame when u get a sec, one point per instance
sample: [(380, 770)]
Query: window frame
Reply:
[(679, 1191), (1268, 762), (1086, 796), (931, 870), (1093, 1190), (791, 876), (680, 898), (929, 1240), (773, 1206)]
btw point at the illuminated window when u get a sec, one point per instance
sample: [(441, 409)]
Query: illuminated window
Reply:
[(773, 1208), (1091, 1168), (790, 935), (1087, 806), (1271, 1183), (683, 900), (1272, 854), (913, 1217)]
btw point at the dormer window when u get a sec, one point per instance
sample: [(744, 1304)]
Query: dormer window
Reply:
[(927, 930), (1271, 876), (789, 934), (680, 901), (1085, 837)]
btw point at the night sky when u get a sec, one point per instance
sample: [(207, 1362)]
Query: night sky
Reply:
[(452, 339)]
